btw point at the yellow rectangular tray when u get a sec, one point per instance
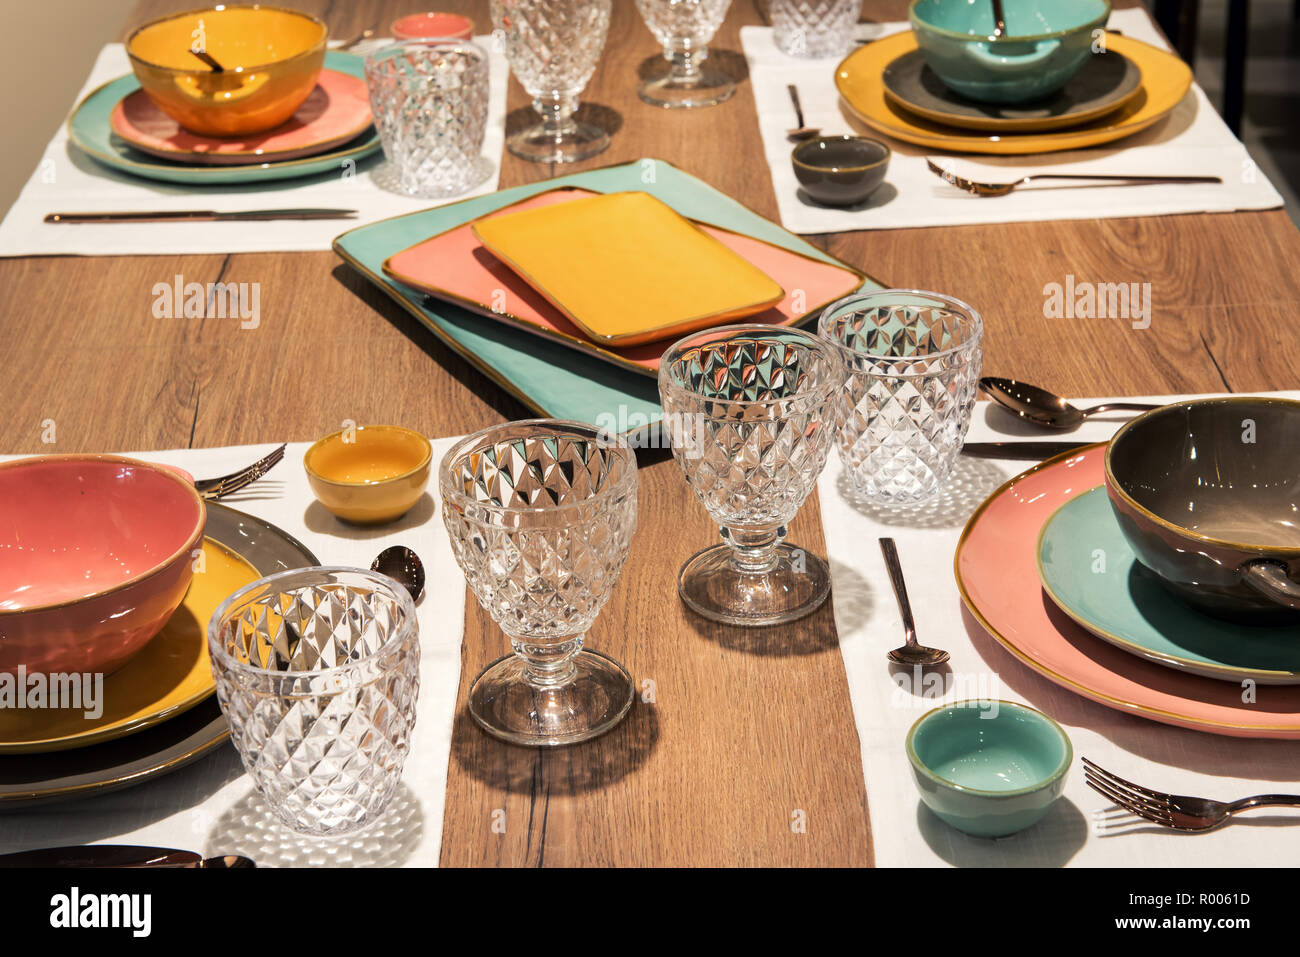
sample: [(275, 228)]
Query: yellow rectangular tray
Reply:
[(626, 268)]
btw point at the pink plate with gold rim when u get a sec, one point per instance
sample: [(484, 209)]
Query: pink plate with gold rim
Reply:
[(337, 111), (456, 267), (997, 575)]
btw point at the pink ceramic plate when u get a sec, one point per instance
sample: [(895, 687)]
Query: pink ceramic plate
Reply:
[(998, 577), (456, 267), (338, 110)]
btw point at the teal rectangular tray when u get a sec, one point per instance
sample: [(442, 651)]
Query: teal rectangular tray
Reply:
[(554, 380)]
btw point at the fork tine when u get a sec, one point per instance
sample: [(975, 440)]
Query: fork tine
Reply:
[(1119, 780), (1133, 796), (217, 487), (1136, 809)]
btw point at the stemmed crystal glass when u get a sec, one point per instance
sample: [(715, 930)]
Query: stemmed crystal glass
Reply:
[(541, 514), (318, 672), (748, 411), (684, 29), (553, 47)]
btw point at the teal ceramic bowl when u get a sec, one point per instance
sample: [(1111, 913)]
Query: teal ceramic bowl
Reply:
[(988, 768), (1046, 43)]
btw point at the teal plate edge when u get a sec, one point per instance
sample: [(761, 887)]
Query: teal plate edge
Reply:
[(1139, 615), (89, 131), (551, 379)]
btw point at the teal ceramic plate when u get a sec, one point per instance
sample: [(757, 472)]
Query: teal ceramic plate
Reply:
[(89, 130), (1088, 569), (552, 379)]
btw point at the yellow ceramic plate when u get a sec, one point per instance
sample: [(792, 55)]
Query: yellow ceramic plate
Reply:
[(169, 676), (626, 268), (1165, 81)]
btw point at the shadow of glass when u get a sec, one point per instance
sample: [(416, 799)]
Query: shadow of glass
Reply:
[(1052, 842), (811, 635), (251, 828), (851, 598), (971, 481)]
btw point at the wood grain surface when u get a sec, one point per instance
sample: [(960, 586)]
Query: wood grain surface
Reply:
[(742, 732)]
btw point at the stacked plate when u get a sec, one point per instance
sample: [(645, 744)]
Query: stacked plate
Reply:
[(119, 126), (1044, 567), (1118, 92), (157, 712)]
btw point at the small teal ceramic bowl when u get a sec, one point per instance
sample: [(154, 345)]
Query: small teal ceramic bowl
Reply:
[(1046, 43), (989, 768)]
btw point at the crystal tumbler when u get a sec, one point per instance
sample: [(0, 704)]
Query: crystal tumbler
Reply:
[(912, 368), (541, 514), (553, 47), (430, 102), (317, 672), (815, 28), (684, 29), (747, 409)]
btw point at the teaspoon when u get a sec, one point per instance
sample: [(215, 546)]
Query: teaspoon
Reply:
[(1041, 407), (800, 132), (403, 566), (911, 654)]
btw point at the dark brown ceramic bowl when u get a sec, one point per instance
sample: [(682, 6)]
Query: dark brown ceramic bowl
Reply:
[(840, 170), (1208, 494)]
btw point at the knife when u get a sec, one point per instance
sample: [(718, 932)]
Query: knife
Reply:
[(200, 216), (1020, 450), (102, 855)]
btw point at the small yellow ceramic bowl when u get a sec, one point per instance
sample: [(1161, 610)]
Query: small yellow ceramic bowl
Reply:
[(270, 58), (371, 474)]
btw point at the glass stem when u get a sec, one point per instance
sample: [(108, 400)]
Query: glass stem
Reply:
[(753, 550), (557, 115), (549, 664), (685, 58)]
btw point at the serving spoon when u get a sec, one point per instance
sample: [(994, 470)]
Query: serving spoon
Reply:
[(911, 654), (1041, 407), (403, 566)]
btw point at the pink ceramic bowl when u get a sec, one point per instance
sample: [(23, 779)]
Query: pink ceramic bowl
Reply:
[(95, 556)]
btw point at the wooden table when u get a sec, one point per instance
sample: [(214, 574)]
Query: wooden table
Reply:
[(744, 749)]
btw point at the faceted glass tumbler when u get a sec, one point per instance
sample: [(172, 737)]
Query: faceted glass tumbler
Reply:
[(747, 409), (541, 514), (815, 28), (684, 28), (430, 103), (912, 367), (317, 672), (553, 47)]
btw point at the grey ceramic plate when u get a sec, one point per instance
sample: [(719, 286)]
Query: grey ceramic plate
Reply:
[(1105, 83), (28, 779)]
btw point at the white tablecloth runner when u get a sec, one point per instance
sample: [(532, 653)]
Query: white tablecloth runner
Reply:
[(211, 805), (1192, 141), (1082, 828), (67, 180)]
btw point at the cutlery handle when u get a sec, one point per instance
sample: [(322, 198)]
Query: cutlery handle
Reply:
[(895, 569), (798, 109), (143, 216), (1116, 177), (1120, 406), (1265, 800)]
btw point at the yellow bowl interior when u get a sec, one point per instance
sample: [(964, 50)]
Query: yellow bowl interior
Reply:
[(237, 37), (375, 454)]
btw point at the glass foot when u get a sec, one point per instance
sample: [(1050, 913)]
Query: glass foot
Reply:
[(707, 87), (508, 706), (712, 586), (538, 144)]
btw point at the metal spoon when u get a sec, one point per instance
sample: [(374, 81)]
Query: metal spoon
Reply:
[(911, 654), (999, 19), (1045, 408), (403, 566), (208, 58), (800, 132)]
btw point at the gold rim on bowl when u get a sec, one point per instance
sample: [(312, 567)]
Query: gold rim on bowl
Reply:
[(198, 71), (425, 459)]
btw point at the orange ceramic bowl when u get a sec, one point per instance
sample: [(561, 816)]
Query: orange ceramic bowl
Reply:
[(95, 556), (369, 475), (271, 58)]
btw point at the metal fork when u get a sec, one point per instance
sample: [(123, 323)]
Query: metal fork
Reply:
[(1001, 189), (1178, 811), (217, 487)]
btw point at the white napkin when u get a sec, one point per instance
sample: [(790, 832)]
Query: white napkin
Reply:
[(67, 180), (1192, 141), (1081, 828), (211, 806)]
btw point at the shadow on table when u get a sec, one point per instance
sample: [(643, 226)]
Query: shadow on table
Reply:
[(971, 482), (318, 519), (1198, 751), (883, 196), (1052, 842), (807, 636), (575, 769), (851, 597), (252, 829)]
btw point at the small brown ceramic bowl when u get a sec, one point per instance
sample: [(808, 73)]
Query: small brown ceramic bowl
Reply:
[(1208, 494), (840, 170)]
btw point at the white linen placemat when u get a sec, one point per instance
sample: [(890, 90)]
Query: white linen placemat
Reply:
[(1192, 141), (1081, 829), (211, 806), (67, 180)]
